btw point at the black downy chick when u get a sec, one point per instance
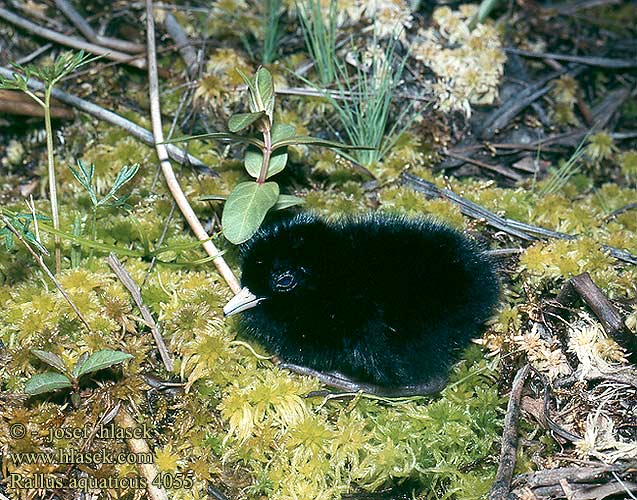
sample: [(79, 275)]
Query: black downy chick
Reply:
[(378, 301)]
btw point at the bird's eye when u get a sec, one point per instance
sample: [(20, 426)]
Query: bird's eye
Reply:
[(284, 282)]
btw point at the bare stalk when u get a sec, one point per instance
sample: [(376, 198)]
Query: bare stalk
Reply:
[(267, 153), (166, 167), (52, 182)]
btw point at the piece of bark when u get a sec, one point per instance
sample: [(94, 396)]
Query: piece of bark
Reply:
[(15, 102)]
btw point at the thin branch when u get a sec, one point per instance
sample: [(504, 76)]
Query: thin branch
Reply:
[(184, 46), (600, 62), (169, 174), (38, 258), (124, 420), (583, 286), (513, 227), (502, 484), (69, 41), (90, 34), (351, 386), (126, 279), (133, 129), (487, 166)]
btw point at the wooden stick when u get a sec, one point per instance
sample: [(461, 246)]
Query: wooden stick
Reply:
[(583, 286), (89, 33), (186, 51), (124, 420), (166, 168), (511, 226), (69, 41), (15, 102), (502, 484), (127, 280)]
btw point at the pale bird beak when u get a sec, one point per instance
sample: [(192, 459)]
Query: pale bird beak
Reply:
[(242, 301)]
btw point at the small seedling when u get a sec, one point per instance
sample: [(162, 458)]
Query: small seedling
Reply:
[(22, 223), (85, 176), (65, 379), (50, 76), (250, 201)]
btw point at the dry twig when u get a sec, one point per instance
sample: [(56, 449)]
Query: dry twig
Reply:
[(583, 286), (89, 33), (69, 41), (502, 484), (139, 446), (126, 279), (515, 228)]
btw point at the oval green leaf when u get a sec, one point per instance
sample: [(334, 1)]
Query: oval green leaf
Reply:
[(78, 364), (102, 359), (245, 209), (46, 382), (287, 201), (254, 160), (265, 89), (242, 120), (50, 359)]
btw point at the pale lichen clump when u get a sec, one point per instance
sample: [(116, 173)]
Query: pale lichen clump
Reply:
[(601, 440), (469, 64), (595, 351), (218, 86)]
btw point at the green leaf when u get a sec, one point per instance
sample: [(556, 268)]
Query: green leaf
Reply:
[(84, 176), (315, 141), (287, 201), (252, 91), (212, 197), (281, 131), (254, 159), (76, 369), (50, 359), (278, 160), (245, 209), (220, 136), (265, 91), (102, 359), (8, 238), (46, 382), (124, 176), (242, 120)]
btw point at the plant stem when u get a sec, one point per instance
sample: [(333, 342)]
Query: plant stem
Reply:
[(52, 182), (267, 152)]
